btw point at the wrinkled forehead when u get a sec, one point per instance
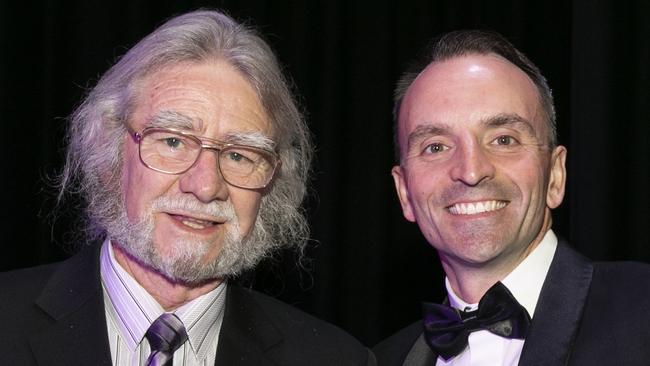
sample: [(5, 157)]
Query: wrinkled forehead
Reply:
[(467, 89), (205, 97)]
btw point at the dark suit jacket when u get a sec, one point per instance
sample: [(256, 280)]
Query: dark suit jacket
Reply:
[(588, 313), (54, 315)]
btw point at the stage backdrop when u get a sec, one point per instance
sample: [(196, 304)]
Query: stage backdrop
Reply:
[(370, 268)]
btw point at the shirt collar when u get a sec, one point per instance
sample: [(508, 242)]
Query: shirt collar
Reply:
[(133, 309), (525, 281)]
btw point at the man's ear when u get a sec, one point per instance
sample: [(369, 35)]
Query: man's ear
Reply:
[(402, 192), (557, 177)]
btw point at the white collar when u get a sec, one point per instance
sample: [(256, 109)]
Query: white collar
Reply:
[(525, 281), (133, 309)]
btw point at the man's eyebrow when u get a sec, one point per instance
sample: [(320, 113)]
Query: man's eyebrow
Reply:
[(426, 130), (254, 139), (180, 121), (173, 119), (509, 120)]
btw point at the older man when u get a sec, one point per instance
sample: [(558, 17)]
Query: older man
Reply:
[(192, 159), (480, 171)]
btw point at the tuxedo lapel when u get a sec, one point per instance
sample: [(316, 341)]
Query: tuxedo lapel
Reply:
[(73, 298), (559, 309), (247, 334), (420, 354)]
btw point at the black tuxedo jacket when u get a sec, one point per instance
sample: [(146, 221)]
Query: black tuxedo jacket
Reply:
[(588, 313), (54, 315)]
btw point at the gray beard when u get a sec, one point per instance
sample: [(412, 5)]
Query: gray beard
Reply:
[(185, 264)]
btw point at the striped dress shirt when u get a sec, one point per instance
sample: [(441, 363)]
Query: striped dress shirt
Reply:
[(130, 310)]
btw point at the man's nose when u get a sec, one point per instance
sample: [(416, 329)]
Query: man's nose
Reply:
[(471, 165), (204, 179)]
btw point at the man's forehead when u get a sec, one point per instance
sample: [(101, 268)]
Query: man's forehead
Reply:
[(468, 87), (465, 69), (199, 96)]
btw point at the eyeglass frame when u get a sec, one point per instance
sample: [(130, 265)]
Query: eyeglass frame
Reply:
[(215, 145)]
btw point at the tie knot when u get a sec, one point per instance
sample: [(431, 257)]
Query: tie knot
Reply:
[(467, 315), (166, 334), (446, 330)]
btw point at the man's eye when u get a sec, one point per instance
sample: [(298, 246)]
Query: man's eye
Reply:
[(434, 148), (505, 140), (238, 157), (173, 142), (235, 156)]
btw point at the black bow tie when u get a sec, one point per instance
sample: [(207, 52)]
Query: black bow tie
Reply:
[(446, 329)]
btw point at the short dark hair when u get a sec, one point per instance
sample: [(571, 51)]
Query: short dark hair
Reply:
[(481, 42)]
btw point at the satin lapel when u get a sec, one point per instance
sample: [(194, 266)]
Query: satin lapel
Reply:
[(73, 298), (559, 309), (246, 333), (420, 354)]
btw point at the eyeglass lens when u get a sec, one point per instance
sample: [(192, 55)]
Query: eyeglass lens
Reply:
[(174, 153)]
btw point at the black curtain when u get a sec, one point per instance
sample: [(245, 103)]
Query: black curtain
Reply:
[(370, 268)]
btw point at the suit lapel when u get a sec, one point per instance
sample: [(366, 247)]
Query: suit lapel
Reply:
[(420, 354), (73, 298), (559, 309), (247, 334)]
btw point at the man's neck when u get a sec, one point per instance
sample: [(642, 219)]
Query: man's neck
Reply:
[(170, 295)]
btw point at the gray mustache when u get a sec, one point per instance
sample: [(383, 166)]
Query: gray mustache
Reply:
[(222, 210)]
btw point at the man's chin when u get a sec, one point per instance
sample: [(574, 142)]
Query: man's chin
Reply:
[(177, 273), (192, 260), (194, 269)]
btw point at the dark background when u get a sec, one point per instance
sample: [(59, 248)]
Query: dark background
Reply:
[(370, 267)]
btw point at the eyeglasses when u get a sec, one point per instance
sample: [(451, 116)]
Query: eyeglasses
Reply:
[(172, 151)]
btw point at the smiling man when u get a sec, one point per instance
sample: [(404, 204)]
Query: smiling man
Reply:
[(479, 172), (192, 158)]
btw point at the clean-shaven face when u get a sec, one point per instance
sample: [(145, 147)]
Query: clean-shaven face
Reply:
[(476, 172)]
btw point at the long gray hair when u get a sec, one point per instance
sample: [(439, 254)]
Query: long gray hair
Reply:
[(97, 127)]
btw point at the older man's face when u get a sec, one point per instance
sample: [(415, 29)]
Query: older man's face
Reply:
[(190, 216), (476, 172)]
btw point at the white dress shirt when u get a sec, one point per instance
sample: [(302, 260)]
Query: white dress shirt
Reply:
[(130, 310), (525, 283)]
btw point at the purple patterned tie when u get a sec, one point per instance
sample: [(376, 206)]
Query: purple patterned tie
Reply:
[(165, 335)]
